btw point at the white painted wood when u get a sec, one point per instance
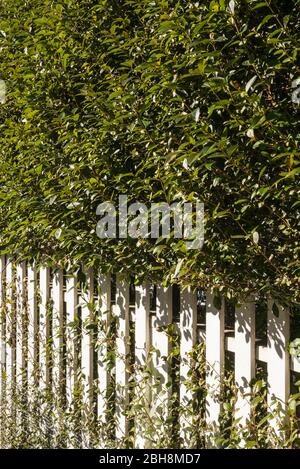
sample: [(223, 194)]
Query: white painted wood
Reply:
[(32, 329), (87, 344), (244, 359), (32, 321), (142, 346), (72, 368), (20, 335), (2, 330), (230, 343), (122, 349), (87, 377), (104, 286), (262, 353), (278, 362), (142, 310), (21, 346), (3, 387), (44, 328), (58, 372), (10, 338), (215, 363), (188, 328), (161, 342)]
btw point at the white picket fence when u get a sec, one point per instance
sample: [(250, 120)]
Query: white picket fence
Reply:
[(25, 288)]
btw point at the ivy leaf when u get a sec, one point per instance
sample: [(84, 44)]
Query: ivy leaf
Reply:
[(250, 83)]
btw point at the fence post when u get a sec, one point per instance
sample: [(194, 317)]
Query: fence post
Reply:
[(122, 350), (142, 345), (215, 365), (244, 358), (278, 362), (188, 329)]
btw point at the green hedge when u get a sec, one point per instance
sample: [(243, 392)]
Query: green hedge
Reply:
[(162, 100)]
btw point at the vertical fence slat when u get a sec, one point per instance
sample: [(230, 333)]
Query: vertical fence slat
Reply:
[(122, 350), (32, 328), (19, 312), (215, 362), (188, 329), (11, 341), (104, 285), (9, 299), (87, 345), (161, 342), (21, 358), (278, 361), (73, 370), (244, 358), (71, 297), (142, 345), (3, 347), (58, 371), (44, 327), (88, 368)]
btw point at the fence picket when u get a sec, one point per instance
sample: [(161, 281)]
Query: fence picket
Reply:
[(162, 390), (122, 350), (278, 361), (87, 345), (104, 286), (2, 341), (11, 341), (188, 329), (244, 358), (19, 314), (32, 328), (44, 328), (72, 365), (21, 356), (142, 345), (215, 363), (58, 358)]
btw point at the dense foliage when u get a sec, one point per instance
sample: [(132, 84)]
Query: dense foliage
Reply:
[(162, 100)]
